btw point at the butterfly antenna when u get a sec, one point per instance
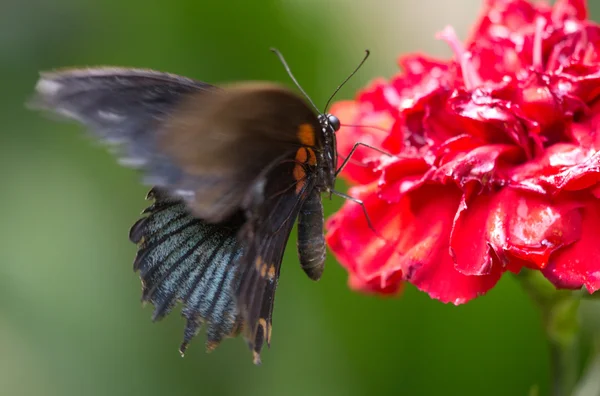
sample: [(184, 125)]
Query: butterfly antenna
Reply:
[(367, 53), (289, 72), (365, 126)]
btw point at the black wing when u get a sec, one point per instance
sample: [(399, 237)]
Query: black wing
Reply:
[(182, 258), (122, 107), (273, 206), (198, 142)]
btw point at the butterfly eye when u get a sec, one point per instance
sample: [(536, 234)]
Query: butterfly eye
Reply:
[(334, 122)]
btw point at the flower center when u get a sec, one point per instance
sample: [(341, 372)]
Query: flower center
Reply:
[(537, 62), (471, 79)]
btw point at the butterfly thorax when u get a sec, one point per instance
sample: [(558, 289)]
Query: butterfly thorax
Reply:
[(327, 157)]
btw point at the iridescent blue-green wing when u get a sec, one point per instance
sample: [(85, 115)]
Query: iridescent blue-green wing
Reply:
[(183, 259), (272, 208)]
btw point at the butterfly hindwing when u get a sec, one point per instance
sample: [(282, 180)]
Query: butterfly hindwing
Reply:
[(183, 259)]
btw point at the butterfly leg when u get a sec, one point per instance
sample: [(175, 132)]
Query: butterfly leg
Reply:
[(352, 161), (356, 145), (364, 209)]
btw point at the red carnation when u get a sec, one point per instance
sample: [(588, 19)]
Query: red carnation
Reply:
[(496, 159)]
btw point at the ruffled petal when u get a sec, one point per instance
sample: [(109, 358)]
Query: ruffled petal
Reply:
[(483, 165), (469, 242), (365, 254), (586, 133), (361, 123), (569, 9), (562, 167), (533, 226), (513, 226), (415, 244), (400, 175), (426, 261), (392, 285), (577, 265)]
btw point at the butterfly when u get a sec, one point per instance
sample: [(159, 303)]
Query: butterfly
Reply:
[(231, 169)]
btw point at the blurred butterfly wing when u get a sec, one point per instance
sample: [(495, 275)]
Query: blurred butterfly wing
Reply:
[(122, 107), (195, 141), (273, 206), (223, 141), (181, 258)]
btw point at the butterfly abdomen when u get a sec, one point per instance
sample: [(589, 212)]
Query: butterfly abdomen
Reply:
[(311, 242)]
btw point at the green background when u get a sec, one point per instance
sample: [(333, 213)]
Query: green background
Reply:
[(70, 317)]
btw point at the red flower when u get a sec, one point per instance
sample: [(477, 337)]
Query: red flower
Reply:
[(496, 159)]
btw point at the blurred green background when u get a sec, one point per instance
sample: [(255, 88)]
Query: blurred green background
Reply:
[(70, 316)]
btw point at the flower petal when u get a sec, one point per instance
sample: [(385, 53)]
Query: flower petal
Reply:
[(469, 245), (416, 229), (586, 133), (400, 175), (567, 9), (577, 265), (427, 262), (518, 228), (504, 18), (530, 227), (562, 167), (392, 286), (422, 77), (361, 124), (481, 165), (363, 253)]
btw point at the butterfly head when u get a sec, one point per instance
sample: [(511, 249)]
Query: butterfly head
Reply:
[(332, 122)]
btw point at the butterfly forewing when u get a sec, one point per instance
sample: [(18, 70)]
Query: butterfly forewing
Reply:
[(226, 140), (125, 107)]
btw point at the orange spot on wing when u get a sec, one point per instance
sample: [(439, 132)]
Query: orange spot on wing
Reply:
[(301, 155), (312, 158), (306, 134), (300, 186), (306, 155), (271, 272), (263, 270), (266, 328), (300, 176), (299, 172), (263, 323), (258, 263)]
